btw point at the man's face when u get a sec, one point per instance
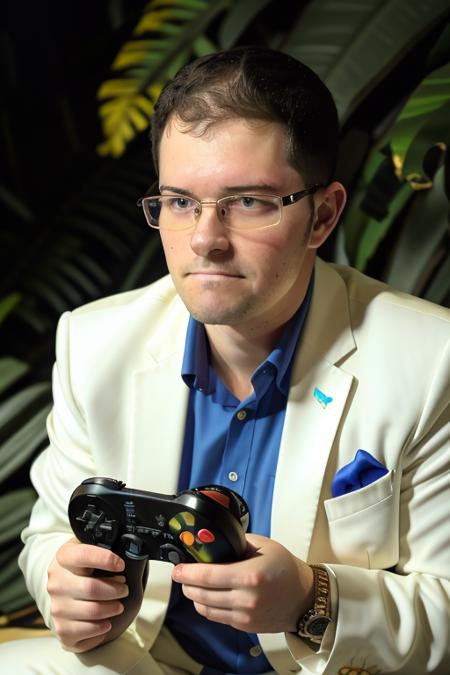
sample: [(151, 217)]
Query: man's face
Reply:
[(252, 280)]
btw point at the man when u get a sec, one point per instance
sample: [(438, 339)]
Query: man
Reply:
[(318, 394)]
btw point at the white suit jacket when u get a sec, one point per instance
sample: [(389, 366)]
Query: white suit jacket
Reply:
[(382, 357)]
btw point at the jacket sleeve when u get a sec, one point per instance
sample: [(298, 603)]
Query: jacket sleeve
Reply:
[(398, 620), (55, 474)]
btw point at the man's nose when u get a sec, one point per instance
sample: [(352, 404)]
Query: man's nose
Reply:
[(209, 233)]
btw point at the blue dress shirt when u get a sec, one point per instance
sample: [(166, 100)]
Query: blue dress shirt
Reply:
[(235, 444)]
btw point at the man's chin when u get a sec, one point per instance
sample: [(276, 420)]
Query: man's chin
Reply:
[(219, 315)]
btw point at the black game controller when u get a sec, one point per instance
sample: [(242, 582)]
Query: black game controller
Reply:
[(204, 524)]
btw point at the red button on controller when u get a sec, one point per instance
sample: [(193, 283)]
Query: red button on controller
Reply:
[(205, 536)]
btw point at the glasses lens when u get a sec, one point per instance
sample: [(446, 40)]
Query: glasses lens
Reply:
[(171, 212), (249, 212), (152, 209), (240, 212)]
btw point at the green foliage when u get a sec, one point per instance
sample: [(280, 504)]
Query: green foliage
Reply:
[(174, 30)]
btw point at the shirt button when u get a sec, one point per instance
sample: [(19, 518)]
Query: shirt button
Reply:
[(233, 476), (241, 415), (255, 650)]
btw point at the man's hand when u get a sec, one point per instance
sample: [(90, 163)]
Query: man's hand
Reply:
[(265, 593), (82, 605)]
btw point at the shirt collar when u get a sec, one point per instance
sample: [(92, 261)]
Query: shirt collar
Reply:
[(195, 369)]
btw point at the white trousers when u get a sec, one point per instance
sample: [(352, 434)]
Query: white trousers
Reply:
[(45, 656)]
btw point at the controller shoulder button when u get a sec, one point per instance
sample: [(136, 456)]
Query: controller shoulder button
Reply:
[(110, 483)]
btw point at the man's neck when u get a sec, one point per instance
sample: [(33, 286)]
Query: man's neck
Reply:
[(235, 356)]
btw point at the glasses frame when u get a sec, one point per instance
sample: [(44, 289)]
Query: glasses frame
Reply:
[(287, 200)]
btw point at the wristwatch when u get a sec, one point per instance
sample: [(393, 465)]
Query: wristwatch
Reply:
[(313, 624)]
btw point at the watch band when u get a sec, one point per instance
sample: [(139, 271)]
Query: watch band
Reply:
[(313, 623)]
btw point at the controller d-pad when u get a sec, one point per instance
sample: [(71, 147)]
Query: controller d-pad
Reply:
[(90, 519)]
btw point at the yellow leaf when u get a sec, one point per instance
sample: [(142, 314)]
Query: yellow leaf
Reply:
[(153, 21), (155, 90), (112, 123), (103, 149), (126, 59), (136, 45), (126, 130), (144, 104), (117, 145), (139, 120), (121, 87), (107, 108)]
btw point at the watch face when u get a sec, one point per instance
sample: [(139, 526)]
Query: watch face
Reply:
[(318, 625)]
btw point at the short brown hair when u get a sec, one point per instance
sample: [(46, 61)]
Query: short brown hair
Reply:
[(256, 83)]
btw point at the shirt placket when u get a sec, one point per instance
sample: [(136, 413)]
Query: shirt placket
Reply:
[(238, 446)]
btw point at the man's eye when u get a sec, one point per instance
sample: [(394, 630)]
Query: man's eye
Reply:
[(180, 203), (248, 202)]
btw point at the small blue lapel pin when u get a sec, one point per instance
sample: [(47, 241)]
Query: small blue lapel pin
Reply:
[(322, 398)]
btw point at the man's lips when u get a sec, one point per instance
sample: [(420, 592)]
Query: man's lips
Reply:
[(214, 273)]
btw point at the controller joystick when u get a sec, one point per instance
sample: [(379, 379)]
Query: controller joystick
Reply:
[(204, 524)]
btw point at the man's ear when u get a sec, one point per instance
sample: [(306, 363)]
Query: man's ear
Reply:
[(329, 204)]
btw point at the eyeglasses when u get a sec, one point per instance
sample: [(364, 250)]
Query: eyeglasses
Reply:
[(237, 212)]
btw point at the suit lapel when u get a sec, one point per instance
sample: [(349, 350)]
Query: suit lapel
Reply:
[(317, 401), (159, 401)]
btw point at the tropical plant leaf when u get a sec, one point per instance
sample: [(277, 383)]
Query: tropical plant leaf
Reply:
[(176, 31), (422, 123), (20, 447), (355, 219), (16, 204), (438, 290), (15, 508), (8, 304), (423, 230), (353, 46), (66, 269), (237, 19), (11, 370), (142, 263), (15, 595), (91, 228), (22, 426), (26, 312), (375, 230), (428, 149)]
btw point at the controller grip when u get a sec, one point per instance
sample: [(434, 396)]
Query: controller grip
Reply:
[(136, 573)]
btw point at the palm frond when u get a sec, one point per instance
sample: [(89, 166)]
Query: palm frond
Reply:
[(354, 45), (422, 123), (175, 32)]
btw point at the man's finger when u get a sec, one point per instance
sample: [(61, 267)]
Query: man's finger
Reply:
[(223, 576), (83, 558), (81, 610)]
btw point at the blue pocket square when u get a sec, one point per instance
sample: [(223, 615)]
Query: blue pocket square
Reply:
[(361, 471)]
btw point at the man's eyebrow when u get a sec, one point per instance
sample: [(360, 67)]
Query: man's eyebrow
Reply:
[(257, 187), (231, 189), (177, 190)]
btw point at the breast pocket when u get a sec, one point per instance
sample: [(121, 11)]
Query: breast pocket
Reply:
[(363, 525)]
